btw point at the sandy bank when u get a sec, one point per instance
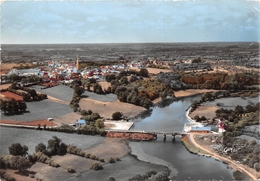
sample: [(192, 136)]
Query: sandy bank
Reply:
[(118, 125), (232, 163), (191, 92)]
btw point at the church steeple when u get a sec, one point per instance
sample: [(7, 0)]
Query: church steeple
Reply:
[(77, 63)]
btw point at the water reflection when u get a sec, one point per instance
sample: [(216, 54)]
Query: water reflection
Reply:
[(169, 116)]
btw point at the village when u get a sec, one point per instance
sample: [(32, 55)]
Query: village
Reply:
[(60, 70)]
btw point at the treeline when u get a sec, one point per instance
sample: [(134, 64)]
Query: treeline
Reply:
[(136, 90), (18, 106), (21, 160), (78, 90), (91, 128), (13, 107), (27, 93), (208, 96), (211, 96), (221, 81), (231, 115), (244, 152), (239, 117), (23, 79), (237, 113)]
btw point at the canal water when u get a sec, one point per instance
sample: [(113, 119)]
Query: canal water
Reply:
[(169, 117)]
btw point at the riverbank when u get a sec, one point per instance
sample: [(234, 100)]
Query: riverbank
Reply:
[(192, 148), (196, 146), (192, 92), (102, 147), (194, 138)]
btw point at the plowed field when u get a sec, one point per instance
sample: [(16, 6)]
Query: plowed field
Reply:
[(29, 123), (10, 95)]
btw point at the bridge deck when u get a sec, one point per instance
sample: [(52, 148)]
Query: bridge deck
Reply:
[(151, 132)]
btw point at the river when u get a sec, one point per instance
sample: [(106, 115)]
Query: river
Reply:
[(168, 117), (184, 165)]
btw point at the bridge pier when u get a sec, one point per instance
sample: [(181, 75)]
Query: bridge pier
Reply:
[(164, 137), (173, 137)]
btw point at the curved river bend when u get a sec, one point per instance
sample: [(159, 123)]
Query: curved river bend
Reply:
[(183, 165)]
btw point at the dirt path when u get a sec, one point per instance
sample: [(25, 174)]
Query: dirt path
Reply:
[(233, 164), (57, 100)]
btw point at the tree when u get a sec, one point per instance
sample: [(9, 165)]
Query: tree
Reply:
[(197, 118), (54, 145), (40, 148), (3, 105), (203, 118), (17, 149), (95, 116), (2, 163), (111, 179), (133, 78), (13, 85), (17, 162), (99, 123), (96, 166), (117, 115), (78, 90), (33, 93), (124, 80), (239, 109), (144, 72), (84, 112), (249, 108), (226, 93), (62, 149)]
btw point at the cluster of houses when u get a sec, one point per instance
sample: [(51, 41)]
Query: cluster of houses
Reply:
[(61, 70)]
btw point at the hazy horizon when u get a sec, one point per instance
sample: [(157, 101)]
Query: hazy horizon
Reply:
[(95, 22), (132, 43)]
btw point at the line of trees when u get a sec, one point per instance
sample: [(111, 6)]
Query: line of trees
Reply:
[(28, 94), (13, 106), (23, 79), (221, 81), (78, 91)]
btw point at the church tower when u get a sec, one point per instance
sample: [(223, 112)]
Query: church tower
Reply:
[(77, 63)]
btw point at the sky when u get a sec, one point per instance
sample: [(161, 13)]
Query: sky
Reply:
[(129, 21)]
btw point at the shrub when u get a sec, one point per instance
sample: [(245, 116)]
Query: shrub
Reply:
[(96, 166), (117, 115), (40, 157), (101, 160), (93, 157), (87, 155), (117, 159), (82, 153), (111, 179), (111, 160), (71, 169), (54, 164)]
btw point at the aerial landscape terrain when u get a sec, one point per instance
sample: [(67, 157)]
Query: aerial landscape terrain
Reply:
[(130, 90), (76, 118)]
